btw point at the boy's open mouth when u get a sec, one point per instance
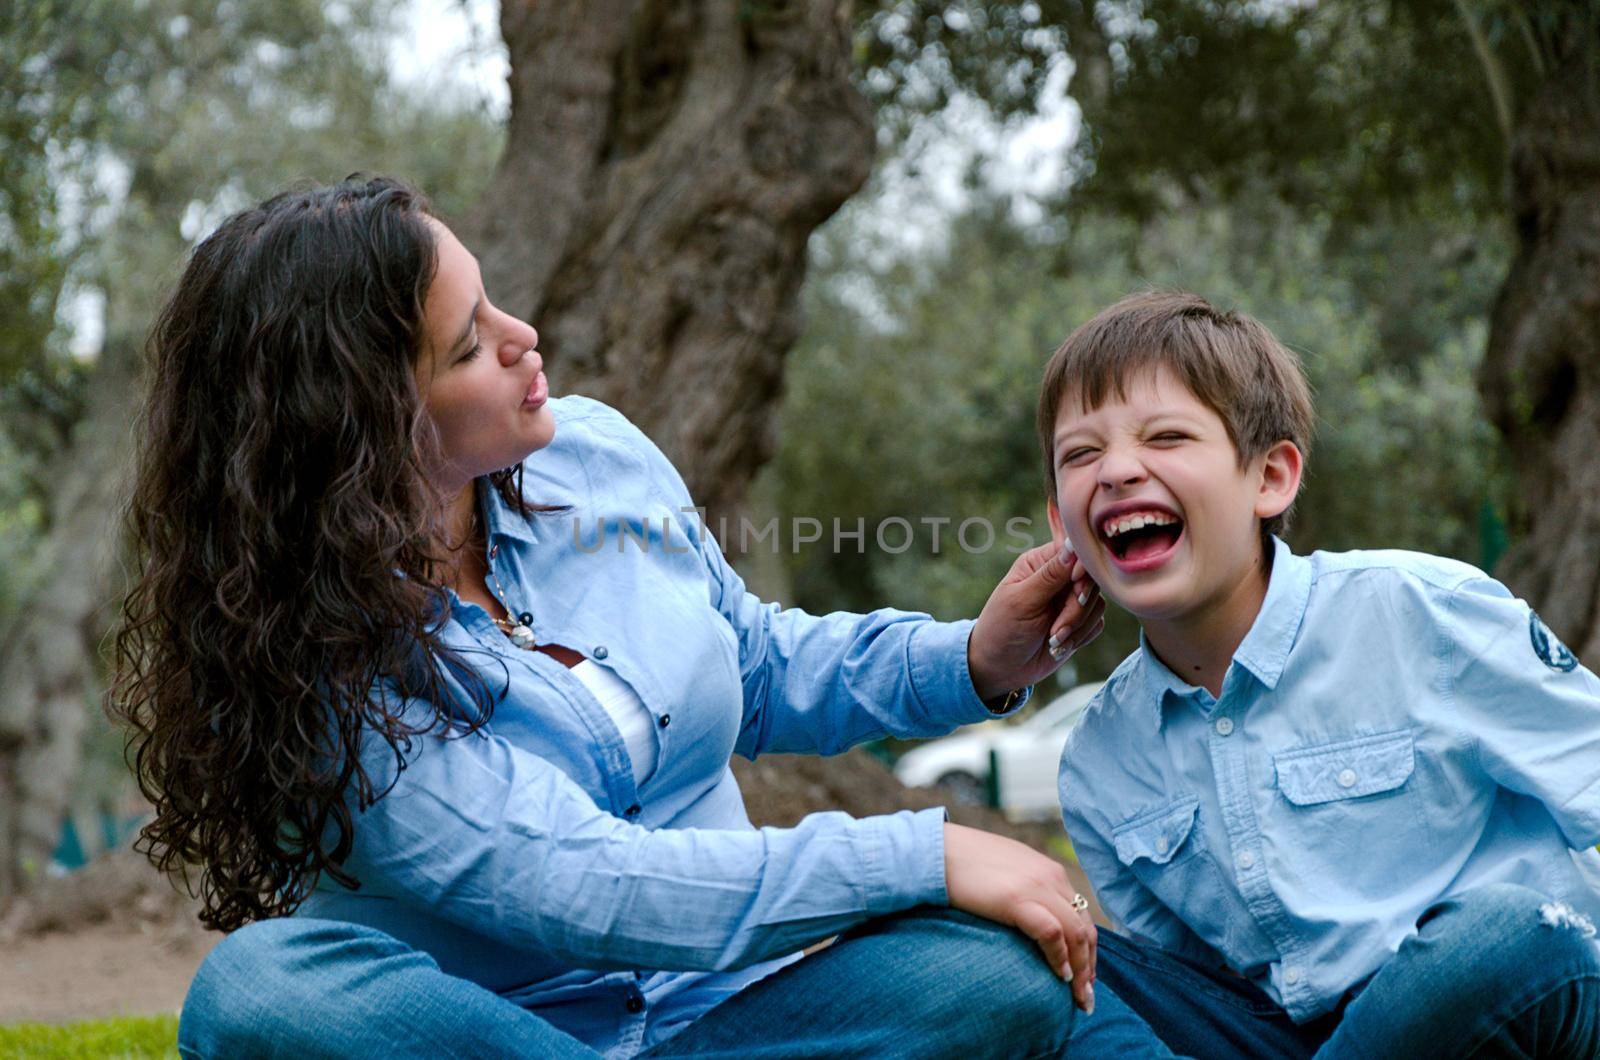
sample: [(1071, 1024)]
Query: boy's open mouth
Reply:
[(1137, 538)]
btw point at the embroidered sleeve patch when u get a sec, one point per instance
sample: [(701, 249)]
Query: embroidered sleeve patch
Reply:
[(1548, 647)]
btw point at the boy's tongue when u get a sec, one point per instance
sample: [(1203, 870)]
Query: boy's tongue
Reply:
[(1151, 541)]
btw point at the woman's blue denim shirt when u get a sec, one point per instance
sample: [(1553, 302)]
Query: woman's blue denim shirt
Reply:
[(524, 858)]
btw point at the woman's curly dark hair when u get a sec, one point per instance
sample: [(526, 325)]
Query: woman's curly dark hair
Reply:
[(284, 536)]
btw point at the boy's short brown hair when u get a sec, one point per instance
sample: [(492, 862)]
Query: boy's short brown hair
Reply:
[(1228, 360)]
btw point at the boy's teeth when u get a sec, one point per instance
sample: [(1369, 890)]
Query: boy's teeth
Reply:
[(1125, 523)]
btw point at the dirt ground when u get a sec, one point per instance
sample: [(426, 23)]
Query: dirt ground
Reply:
[(115, 939), (103, 970), (112, 939)]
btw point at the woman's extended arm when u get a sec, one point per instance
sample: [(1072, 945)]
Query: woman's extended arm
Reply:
[(819, 684), (498, 839)]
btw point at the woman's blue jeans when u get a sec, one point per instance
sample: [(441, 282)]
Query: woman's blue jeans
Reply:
[(926, 983)]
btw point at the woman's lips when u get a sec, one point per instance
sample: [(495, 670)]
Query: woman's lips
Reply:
[(538, 393)]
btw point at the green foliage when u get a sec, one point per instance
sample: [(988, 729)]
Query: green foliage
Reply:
[(1353, 109), (913, 393), (1360, 110), (126, 1036), (151, 121)]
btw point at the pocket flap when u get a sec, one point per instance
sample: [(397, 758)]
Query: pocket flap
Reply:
[(1156, 836), (1349, 769)]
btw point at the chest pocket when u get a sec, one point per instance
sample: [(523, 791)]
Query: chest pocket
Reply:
[(1166, 850), (1350, 769), (1353, 799), (1157, 838)]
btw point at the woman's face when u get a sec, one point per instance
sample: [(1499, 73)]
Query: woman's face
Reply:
[(478, 373)]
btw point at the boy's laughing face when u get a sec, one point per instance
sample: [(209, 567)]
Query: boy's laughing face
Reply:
[(1150, 491)]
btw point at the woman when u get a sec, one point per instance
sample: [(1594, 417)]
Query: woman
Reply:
[(375, 679)]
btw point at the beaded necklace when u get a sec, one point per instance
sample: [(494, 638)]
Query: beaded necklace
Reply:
[(520, 631)]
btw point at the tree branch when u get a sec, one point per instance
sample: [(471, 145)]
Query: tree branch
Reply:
[(1493, 72)]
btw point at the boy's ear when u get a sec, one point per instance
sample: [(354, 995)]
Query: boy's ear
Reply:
[(1280, 479), (1058, 533)]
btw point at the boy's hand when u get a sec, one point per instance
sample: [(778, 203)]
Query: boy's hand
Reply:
[(1002, 880), (1043, 610)]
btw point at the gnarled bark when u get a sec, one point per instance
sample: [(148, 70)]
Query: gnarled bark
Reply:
[(49, 677), (666, 162), (1540, 378)]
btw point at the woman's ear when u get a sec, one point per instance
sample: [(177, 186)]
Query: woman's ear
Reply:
[(1280, 479)]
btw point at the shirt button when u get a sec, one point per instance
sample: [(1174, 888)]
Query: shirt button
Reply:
[(666, 719), (1347, 779), (1224, 726), (1291, 975), (599, 651), (635, 1003), (1162, 845), (634, 810), (1246, 860)]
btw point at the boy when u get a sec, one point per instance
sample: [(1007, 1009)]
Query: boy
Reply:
[(1339, 792)]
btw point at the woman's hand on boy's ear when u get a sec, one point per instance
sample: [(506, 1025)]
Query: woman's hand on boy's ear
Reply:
[(1043, 610)]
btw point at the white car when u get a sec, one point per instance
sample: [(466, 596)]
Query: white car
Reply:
[(1027, 752)]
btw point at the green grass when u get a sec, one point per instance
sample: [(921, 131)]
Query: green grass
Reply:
[(127, 1036), (1061, 847)]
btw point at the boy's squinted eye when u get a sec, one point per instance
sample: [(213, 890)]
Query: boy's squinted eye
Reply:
[(1077, 456)]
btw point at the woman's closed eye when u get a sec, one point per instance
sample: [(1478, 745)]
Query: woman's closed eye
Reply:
[(477, 348)]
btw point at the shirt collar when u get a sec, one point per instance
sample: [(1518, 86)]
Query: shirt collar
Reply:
[(1160, 682), (1265, 648), (500, 520)]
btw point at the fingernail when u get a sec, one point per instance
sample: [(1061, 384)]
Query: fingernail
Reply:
[(1066, 553), (1055, 641), (1083, 598), (1088, 994), (1057, 652)]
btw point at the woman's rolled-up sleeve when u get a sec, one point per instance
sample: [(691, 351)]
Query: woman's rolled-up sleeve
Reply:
[(500, 840), (820, 684)]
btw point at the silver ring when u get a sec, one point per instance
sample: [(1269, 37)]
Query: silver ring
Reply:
[(1079, 902)]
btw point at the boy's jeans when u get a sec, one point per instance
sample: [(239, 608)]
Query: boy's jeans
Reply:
[(926, 983), (1499, 971)]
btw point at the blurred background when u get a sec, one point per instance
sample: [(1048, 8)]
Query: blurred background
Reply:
[(820, 251)]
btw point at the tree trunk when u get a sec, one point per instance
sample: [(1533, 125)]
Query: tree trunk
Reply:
[(666, 162), (49, 684), (1540, 378)]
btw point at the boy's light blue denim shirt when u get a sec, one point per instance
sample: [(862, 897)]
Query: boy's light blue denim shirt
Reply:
[(1395, 729), (525, 859)]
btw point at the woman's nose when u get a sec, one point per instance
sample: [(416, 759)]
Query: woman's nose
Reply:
[(519, 337)]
